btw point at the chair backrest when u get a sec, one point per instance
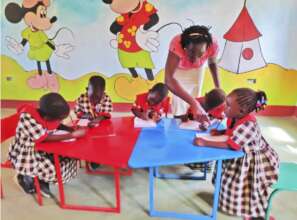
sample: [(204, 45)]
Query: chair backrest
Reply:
[(287, 179), (8, 126)]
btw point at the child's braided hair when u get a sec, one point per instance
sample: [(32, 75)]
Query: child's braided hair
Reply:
[(251, 100)]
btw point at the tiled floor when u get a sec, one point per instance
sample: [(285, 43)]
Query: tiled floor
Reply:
[(183, 196)]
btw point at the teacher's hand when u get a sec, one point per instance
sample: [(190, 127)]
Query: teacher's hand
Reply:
[(199, 114)]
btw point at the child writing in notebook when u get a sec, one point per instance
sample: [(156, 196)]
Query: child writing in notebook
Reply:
[(153, 104), (245, 181), (94, 105), (214, 105), (34, 126)]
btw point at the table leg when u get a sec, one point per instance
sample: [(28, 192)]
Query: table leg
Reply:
[(38, 192), (217, 190), (117, 189), (59, 180), (63, 204), (153, 172)]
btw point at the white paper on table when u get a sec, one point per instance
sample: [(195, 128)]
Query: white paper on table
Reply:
[(61, 132), (139, 123), (190, 125), (83, 122), (208, 137)]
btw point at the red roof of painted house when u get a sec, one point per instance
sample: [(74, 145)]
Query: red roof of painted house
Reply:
[(243, 28)]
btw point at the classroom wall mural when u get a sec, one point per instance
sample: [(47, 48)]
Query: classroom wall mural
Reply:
[(135, 41), (127, 42), (41, 47), (242, 51)]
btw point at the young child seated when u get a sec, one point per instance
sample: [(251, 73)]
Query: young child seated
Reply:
[(34, 126), (245, 181), (214, 104), (94, 105), (153, 104)]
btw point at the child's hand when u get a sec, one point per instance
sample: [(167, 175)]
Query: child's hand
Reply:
[(93, 124), (138, 112), (214, 132), (155, 116), (199, 141), (79, 133)]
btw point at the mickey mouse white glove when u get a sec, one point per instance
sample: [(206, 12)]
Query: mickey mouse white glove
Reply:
[(13, 45), (62, 50), (113, 43), (147, 40)]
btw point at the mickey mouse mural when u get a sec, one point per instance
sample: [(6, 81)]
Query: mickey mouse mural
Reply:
[(34, 14), (135, 41)]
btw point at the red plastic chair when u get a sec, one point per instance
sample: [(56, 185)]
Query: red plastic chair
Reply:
[(8, 128)]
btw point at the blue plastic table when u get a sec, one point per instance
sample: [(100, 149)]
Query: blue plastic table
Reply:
[(168, 145)]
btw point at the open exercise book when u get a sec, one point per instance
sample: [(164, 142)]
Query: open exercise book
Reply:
[(139, 123), (208, 137), (61, 132)]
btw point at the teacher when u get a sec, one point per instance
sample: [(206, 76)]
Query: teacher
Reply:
[(184, 70)]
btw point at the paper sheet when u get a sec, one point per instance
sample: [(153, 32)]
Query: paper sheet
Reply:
[(189, 125), (139, 123), (61, 132), (208, 137), (83, 122)]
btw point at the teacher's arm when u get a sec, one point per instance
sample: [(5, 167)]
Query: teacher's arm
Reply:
[(213, 67), (175, 87)]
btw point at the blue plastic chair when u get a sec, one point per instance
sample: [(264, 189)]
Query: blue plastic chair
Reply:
[(287, 181)]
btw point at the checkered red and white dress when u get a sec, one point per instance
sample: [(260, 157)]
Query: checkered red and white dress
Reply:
[(27, 161), (84, 106), (245, 181)]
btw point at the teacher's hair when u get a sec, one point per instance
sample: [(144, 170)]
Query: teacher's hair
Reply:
[(196, 34)]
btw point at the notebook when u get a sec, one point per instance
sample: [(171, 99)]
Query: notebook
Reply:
[(139, 123)]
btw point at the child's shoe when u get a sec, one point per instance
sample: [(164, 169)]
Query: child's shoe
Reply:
[(94, 166), (25, 183), (200, 166)]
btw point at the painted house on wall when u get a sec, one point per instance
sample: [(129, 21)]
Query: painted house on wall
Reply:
[(242, 51)]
